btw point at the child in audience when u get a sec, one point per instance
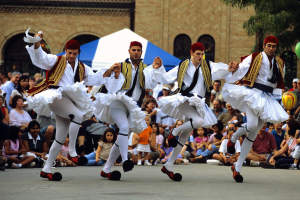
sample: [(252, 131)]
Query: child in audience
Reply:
[(143, 146), (101, 155)]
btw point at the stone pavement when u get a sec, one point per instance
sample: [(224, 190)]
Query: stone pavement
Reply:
[(200, 181)]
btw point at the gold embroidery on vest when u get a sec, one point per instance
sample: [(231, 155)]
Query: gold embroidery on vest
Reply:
[(205, 70), (127, 72), (206, 74), (253, 71), (181, 72), (280, 65)]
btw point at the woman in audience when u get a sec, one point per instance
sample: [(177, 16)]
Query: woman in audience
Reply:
[(18, 116)]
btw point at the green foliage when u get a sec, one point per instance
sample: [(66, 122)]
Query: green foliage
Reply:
[(278, 17)]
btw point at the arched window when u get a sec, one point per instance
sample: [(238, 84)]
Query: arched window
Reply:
[(209, 44), (290, 61), (182, 46), (16, 58), (85, 38)]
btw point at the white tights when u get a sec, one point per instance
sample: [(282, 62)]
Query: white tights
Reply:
[(63, 108), (119, 114), (254, 124), (184, 131)]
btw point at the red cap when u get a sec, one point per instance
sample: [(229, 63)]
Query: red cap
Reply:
[(135, 43), (271, 39), (72, 44), (197, 46)]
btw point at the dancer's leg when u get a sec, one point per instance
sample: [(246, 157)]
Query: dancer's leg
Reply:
[(65, 107), (254, 124), (119, 115), (190, 114), (182, 139), (62, 126)]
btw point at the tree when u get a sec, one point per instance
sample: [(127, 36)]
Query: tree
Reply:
[(278, 17)]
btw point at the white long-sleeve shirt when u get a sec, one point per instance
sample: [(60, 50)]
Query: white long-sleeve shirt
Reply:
[(220, 71), (150, 80), (46, 61), (171, 76)]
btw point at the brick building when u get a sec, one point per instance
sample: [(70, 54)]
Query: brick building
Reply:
[(169, 24)]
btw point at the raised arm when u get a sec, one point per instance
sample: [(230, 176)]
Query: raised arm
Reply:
[(156, 73), (40, 58)]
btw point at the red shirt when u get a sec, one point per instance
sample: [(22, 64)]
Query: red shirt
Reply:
[(264, 143)]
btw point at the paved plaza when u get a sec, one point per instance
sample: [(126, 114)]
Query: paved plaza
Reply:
[(200, 181)]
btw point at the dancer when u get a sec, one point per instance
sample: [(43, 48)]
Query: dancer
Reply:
[(194, 81), (63, 93), (250, 87), (120, 104)]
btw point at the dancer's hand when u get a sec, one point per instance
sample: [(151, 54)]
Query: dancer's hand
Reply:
[(233, 66), (39, 34), (157, 62), (111, 69)]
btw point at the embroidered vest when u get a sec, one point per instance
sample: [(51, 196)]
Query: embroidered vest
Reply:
[(254, 68), (183, 66), (54, 75), (127, 72)]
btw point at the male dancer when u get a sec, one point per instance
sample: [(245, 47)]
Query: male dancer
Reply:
[(62, 93), (194, 81), (123, 107), (250, 87)]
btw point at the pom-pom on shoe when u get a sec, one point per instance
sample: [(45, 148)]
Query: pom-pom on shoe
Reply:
[(51, 177), (172, 140), (175, 177), (236, 175), (128, 165), (114, 175)]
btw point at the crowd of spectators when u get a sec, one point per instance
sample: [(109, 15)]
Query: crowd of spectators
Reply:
[(26, 137)]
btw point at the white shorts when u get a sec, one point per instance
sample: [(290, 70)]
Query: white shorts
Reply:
[(143, 148)]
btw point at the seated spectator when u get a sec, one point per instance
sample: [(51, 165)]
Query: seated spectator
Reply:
[(31, 82), (14, 149), (4, 111), (230, 114), (278, 134), (164, 120), (159, 142), (167, 151), (35, 143), (9, 86), (217, 90), (143, 147), (89, 134), (263, 146), (100, 157), (217, 108), (200, 137), (21, 89), (149, 108), (223, 156), (154, 154), (132, 144), (213, 146), (4, 120), (294, 85), (62, 159), (18, 116), (289, 154)]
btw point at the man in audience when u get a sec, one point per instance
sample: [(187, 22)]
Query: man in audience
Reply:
[(9, 86), (263, 146)]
